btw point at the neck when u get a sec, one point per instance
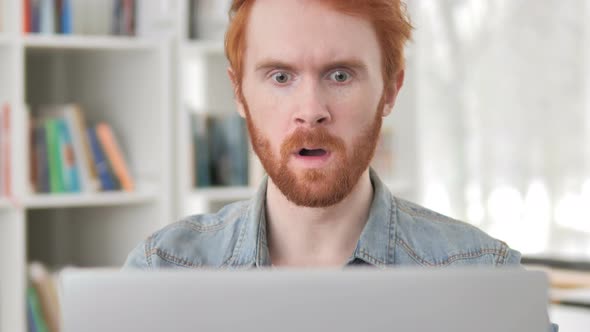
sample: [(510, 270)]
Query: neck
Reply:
[(302, 236)]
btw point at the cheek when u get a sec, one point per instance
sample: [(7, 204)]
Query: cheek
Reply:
[(355, 113), (267, 114)]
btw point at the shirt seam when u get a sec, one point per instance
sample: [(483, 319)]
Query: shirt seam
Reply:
[(183, 262), (240, 240), (146, 249), (451, 259), (368, 257), (393, 218), (502, 256), (209, 228)]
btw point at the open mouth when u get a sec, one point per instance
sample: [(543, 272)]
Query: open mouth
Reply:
[(312, 152)]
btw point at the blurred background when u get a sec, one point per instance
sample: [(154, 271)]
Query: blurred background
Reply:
[(502, 101), (117, 118)]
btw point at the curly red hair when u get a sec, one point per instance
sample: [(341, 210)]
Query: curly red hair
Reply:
[(388, 17)]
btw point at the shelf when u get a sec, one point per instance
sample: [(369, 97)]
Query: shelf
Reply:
[(5, 40), (73, 42), (203, 47), (223, 194), (45, 201), (5, 204)]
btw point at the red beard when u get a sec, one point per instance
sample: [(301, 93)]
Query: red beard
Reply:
[(317, 187)]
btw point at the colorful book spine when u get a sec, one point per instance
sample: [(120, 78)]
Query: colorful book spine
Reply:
[(228, 145), (201, 153), (42, 177), (129, 17), (47, 17), (56, 181), (44, 284), (31, 325), (27, 26), (37, 313), (36, 16), (114, 155), (106, 179), (66, 17), (33, 153), (75, 119), (237, 149), (68, 158)]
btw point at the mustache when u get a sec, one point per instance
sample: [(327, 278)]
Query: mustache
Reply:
[(319, 137)]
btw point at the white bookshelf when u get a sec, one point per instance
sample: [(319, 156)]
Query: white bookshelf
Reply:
[(203, 47), (203, 87), (95, 42), (5, 40), (5, 204), (47, 201), (124, 81)]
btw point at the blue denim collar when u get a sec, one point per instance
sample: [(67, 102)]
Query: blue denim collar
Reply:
[(375, 246)]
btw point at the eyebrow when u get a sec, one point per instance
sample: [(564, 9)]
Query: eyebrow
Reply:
[(352, 63)]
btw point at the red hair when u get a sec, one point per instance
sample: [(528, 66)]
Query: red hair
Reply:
[(388, 17)]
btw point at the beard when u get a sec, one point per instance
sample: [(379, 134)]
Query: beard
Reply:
[(324, 187)]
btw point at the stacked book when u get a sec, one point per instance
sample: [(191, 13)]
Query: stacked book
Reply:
[(5, 150), (43, 314), (101, 17), (69, 157), (220, 150)]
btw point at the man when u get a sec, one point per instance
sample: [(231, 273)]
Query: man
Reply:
[(314, 79)]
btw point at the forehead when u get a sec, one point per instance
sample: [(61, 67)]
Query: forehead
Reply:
[(306, 31)]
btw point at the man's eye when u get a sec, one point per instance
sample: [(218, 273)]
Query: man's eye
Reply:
[(340, 76), (281, 77)]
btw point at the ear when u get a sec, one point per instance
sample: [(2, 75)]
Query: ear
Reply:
[(238, 98), (391, 94)]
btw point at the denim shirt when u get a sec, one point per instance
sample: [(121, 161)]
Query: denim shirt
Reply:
[(397, 233)]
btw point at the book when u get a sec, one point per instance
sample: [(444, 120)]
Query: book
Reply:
[(31, 326), (64, 159), (74, 117), (129, 17), (193, 32), (27, 26), (56, 181), (123, 21), (200, 150), (36, 311), (105, 176), (113, 153), (36, 16), (234, 128), (228, 145), (47, 16), (57, 15), (44, 285), (66, 19), (220, 150), (68, 158), (41, 183)]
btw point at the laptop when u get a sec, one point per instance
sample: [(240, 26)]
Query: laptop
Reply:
[(417, 300)]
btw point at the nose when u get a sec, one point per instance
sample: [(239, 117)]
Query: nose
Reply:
[(312, 109)]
